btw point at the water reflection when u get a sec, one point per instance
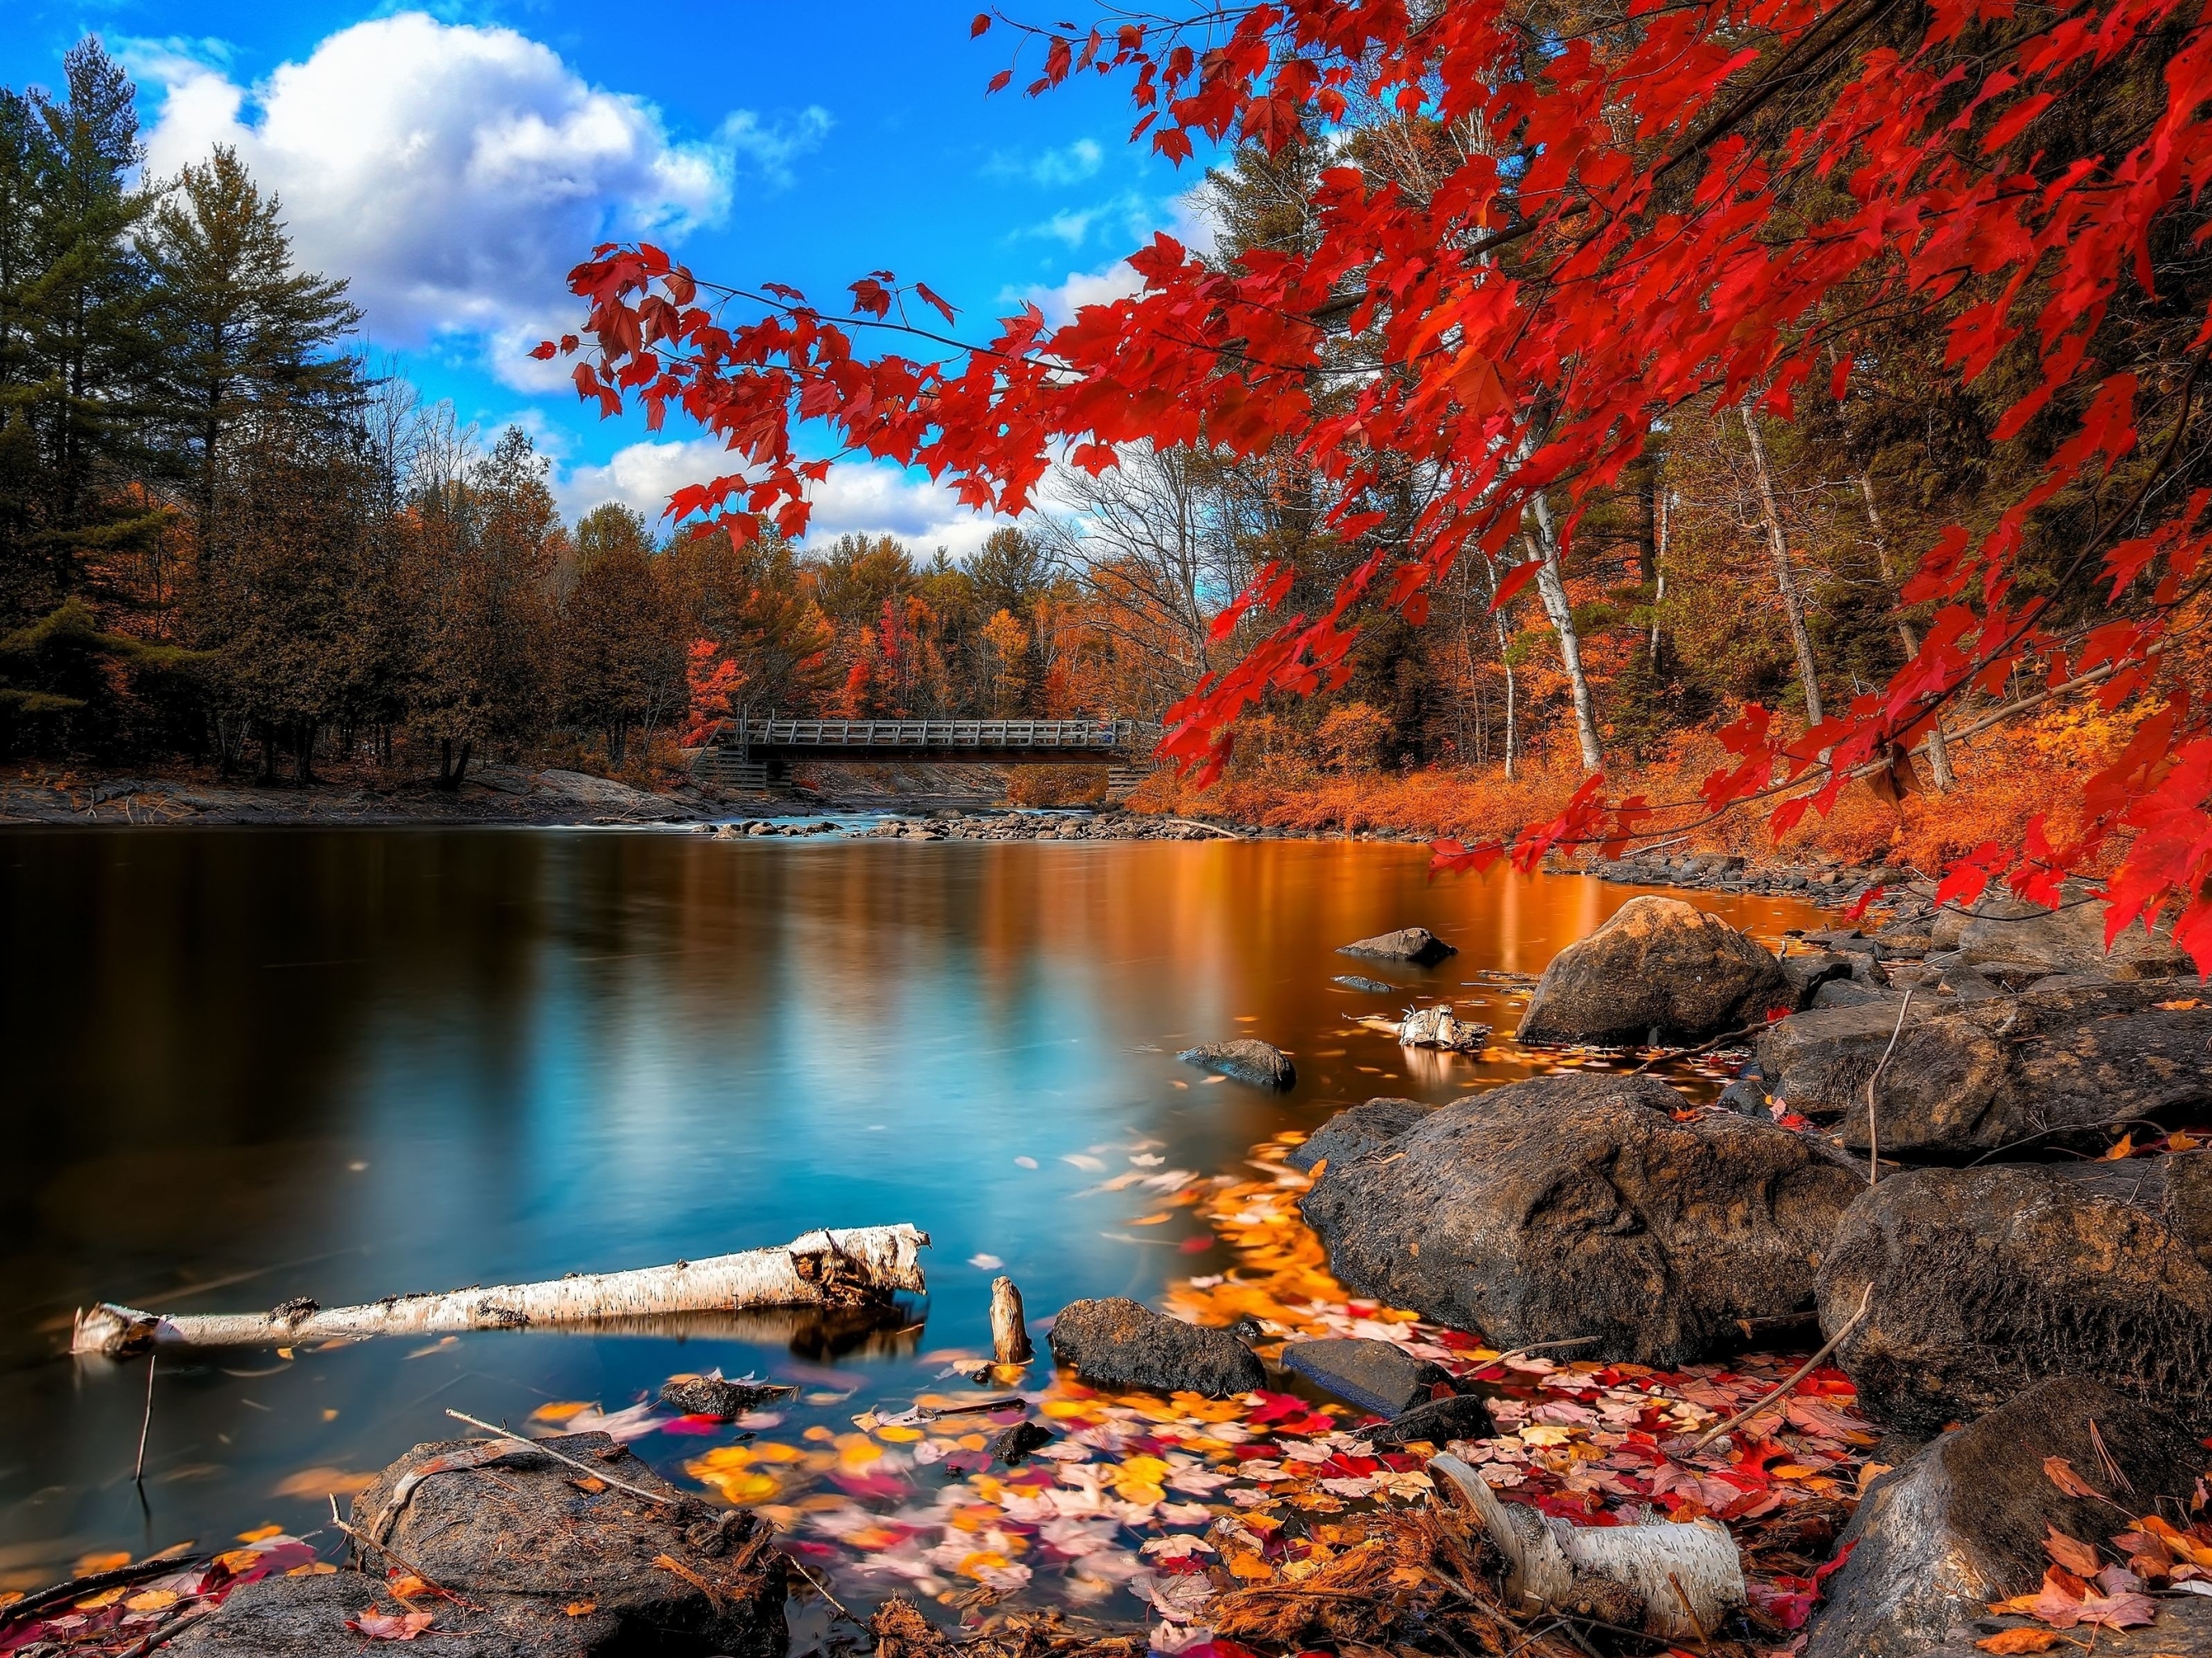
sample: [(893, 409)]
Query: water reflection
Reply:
[(246, 1066)]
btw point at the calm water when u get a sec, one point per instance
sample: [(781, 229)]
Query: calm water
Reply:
[(244, 1065)]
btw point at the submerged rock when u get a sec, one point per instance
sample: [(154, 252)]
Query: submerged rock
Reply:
[(1377, 1375), (1986, 1281), (1355, 982), (1408, 944), (1117, 1342), (525, 1539), (1438, 1422), (1963, 1523), (2049, 1068), (1577, 1206), (1357, 1130), (1260, 1064), (1659, 967)]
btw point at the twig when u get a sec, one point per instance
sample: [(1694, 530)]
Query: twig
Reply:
[(363, 1539), (1211, 828), (1702, 1048), (671, 1501), (1874, 1134), (145, 1426), (820, 1587), (1704, 1638), (1796, 1376)]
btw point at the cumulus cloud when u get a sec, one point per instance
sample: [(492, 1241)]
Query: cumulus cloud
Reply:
[(1070, 165), (453, 172), (857, 498), (1181, 216)]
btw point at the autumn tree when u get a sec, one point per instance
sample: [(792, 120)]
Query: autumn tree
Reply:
[(619, 632)]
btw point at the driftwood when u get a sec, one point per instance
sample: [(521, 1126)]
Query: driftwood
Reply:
[(822, 1269), (1010, 1335), (1679, 1582)]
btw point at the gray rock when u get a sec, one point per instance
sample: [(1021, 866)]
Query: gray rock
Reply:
[(522, 1537), (1354, 982), (1258, 1063), (1987, 1281), (2048, 1069), (1658, 965), (1851, 992), (1408, 944), (1357, 1130), (1377, 1375), (1117, 1343), (1577, 1206), (1963, 1523), (1748, 1097), (2065, 940)]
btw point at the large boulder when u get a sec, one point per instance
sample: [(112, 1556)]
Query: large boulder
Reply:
[(1658, 968), (1986, 1281), (1357, 1130), (1963, 1523), (1248, 1061), (554, 1561), (1117, 1343), (2049, 1068), (2067, 939), (1578, 1206), (1416, 945), (2183, 1630)]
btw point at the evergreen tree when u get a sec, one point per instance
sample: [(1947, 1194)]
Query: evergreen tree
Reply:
[(237, 322)]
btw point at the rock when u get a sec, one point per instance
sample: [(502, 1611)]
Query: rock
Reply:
[(1258, 1063), (1357, 1130), (1850, 993), (1963, 1523), (2065, 940), (1353, 981), (1416, 945), (1439, 1422), (1746, 1097), (2183, 1630), (725, 1401), (1117, 1343), (1986, 1281), (1577, 1206), (2051, 1067), (1377, 1375), (516, 1533), (1013, 1447), (1438, 1026), (1658, 965), (1807, 970)]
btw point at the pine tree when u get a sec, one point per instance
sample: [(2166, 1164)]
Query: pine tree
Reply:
[(237, 322)]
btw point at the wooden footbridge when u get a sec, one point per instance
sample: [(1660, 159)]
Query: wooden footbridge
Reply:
[(757, 753)]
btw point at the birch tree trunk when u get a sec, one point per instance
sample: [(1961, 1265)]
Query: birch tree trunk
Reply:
[(1785, 579), (822, 1269), (1505, 661), (1939, 751), (1551, 586)]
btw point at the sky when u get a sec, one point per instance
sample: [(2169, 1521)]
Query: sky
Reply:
[(452, 162)]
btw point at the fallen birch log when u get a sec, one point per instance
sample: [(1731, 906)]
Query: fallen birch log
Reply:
[(854, 1267), (1676, 1582)]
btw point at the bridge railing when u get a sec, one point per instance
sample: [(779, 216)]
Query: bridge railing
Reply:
[(1095, 735)]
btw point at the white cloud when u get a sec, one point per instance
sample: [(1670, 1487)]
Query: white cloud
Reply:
[(453, 173), (857, 498), (1129, 214), (1069, 166), (1180, 216)]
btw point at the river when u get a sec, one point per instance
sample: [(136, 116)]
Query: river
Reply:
[(245, 1065)]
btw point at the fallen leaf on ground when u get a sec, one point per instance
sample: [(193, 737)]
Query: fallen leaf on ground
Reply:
[(2061, 1474), (384, 1626), (2020, 1640), (581, 1608), (2074, 1555)]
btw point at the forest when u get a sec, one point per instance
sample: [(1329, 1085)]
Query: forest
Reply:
[(231, 537)]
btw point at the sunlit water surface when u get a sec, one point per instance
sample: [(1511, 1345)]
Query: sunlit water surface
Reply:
[(245, 1065)]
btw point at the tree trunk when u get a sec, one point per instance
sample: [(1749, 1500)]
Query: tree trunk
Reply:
[(1659, 569), (1939, 751), (1809, 673), (303, 750), (819, 1269), (1553, 586)]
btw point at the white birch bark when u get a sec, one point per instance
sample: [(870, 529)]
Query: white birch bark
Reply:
[(1785, 578), (1551, 587), (823, 1268), (1939, 751)]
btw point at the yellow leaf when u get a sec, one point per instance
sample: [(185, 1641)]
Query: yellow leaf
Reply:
[(150, 1600), (316, 1483), (1152, 1220), (899, 1436), (560, 1410), (2120, 1152), (2020, 1640), (581, 1608), (2177, 1141), (1251, 1566), (105, 1598), (260, 1533), (89, 1564), (313, 1569)]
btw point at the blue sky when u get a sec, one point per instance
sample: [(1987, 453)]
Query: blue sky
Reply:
[(454, 161)]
